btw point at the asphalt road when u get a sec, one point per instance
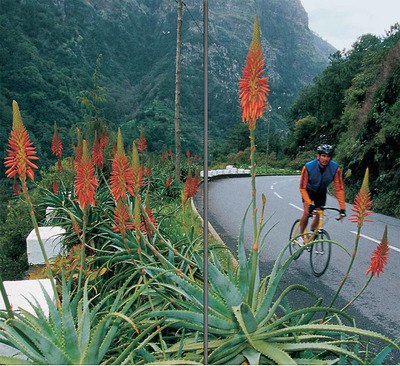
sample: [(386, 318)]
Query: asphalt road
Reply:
[(377, 309)]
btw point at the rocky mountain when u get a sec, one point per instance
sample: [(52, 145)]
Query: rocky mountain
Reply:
[(48, 53)]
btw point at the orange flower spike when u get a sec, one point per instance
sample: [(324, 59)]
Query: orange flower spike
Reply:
[(253, 89), (379, 256), (121, 175), (362, 203), (97, 152), (103, 140), (142, 144), (85, 181), (56, 145), (78, 151), (121, 217), (21, 150), (136, 169), (55, 187), (146, 227), (169, 181)]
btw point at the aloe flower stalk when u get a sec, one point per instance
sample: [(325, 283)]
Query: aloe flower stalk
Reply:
[(121, 217), (253, 91), (78, 151), (122, 180), (361, 208), (142, 144), (103, 140), (378, 261), (56, 147), (97, 152), (85, 180), (379, 256), (19, 163), (85, 186), (136, 170)]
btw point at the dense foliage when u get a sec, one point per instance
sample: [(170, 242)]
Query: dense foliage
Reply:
[(48, 51), (354, 104)]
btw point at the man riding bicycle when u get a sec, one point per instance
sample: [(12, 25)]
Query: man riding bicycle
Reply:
[(315, 177)]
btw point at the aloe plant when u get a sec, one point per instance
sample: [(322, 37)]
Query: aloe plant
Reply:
[(264, 330), (81, 332)]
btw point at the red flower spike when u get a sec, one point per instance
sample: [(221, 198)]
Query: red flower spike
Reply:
[(146, 226), (103, 140), (78, 151), (121, 217), (191, 184), (253, 89), (142, 144), (379, 256), (85, 181), (121, 175), (169, 181), (170, 152), (16, 189), (56, 145), (55, 187), (21, 151), (136, 169), (188, 154), (97, 152), (362, 203)]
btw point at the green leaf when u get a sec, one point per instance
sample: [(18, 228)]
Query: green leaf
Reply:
[(245, 318), (274, 353), (381, 356), (14, 361)]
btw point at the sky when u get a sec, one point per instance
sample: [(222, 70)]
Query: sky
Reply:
[(341, 22)]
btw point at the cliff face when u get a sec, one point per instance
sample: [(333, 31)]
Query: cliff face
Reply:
[(55, 44)]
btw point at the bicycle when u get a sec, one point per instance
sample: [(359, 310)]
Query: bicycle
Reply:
[(320, 251)]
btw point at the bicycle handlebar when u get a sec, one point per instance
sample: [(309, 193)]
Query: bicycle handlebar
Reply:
[(323, 208)]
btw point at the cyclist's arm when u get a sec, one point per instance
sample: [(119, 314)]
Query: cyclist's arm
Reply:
[(303, 186), (339, 189)]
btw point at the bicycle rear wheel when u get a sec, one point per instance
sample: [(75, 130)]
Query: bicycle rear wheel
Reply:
[(295, 231), (320, 253)]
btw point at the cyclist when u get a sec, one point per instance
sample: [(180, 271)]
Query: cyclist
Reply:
[(315, 177)]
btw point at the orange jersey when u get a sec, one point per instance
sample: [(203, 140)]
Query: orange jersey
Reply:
[(337, 181)]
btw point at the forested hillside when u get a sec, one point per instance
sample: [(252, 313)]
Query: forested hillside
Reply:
[(355, 105), (49, 48)]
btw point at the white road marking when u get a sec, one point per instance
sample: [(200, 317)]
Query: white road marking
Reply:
[(375, 241), (272, 187), (277, 195), (300, 209)]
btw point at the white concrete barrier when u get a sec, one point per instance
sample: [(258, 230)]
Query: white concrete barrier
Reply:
[(51, 238)]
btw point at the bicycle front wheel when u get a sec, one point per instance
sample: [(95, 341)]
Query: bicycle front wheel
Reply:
[(320, 253), (295, 231)]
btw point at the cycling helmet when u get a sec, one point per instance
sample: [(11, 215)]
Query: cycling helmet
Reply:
[(325, 149)]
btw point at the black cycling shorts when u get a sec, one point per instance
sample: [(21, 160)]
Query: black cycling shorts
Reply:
[(319, 198)]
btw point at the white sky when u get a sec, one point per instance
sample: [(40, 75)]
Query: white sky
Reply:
[(341, 22)]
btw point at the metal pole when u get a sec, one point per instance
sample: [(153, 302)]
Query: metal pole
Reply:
[(205, 185)]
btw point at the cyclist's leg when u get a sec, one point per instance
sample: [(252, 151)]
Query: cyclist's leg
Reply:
[(304, 218), (319, 201)]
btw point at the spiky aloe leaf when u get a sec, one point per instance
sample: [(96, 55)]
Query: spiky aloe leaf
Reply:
[(245, 318), (220, 281), (14, 361), (321, 346), (197, 319), (274, 353), (252, 356), (52, 351), (194, 293), (276, 275), (381, 356)]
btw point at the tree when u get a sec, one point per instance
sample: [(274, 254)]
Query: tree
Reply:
[(177, 95)]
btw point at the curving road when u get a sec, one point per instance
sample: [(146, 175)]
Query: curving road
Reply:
[(377, 309)]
